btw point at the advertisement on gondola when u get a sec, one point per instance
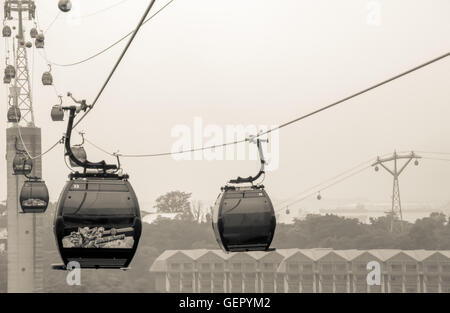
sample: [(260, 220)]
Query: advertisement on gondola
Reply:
[(99, 237)]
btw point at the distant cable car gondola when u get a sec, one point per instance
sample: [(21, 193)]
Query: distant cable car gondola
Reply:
[(97, 220), (6, 31), (57, 112), (14, 114), (10, 71), (64, 5), (47, 77), (22, 164), (34, 196), (33, 33), (243, 217), (39, 41)]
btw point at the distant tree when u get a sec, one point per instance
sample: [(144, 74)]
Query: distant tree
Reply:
[(174, 202)]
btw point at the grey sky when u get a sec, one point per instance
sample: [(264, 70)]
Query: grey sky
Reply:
[(256, 62)]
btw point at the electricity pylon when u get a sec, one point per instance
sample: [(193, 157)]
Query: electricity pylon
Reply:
[(396, 210)]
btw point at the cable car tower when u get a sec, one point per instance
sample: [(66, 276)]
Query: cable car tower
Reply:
[(24, 253), (396, 210)]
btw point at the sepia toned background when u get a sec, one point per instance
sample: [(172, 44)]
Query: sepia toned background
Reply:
[(253, 62)]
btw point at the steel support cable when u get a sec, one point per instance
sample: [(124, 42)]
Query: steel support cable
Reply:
[(111, 45), (138, 27), (358, 93), (53, 22), (416, 68), (101, 10), (106, 82)]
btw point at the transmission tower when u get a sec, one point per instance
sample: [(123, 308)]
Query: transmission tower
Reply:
[(396, 210), (25, 271)]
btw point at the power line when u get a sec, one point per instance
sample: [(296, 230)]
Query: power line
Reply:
[(315, 187), (111, 45), (324, 188), (329, 106), (141, 22)]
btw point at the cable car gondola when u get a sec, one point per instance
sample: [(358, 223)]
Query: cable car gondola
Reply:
[(97, 220), (39, 41), (6, 31), (34, 196), (10, 71), (65, 5), (22, 164), (14, 114), (33, 33), (57, 112), (244, 217), (47, 78)]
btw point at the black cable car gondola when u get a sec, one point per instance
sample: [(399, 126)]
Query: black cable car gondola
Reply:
[(243, 217), (39, 42), (57, 112), (22, 163), (65, 5), (6, 31), (14, 114), (34, 196), (97, 221), (10, 71), (33, 33), (47, 77)]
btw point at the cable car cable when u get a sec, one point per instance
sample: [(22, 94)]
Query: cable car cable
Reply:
[(53, 22), (100, 11), (290, 122), (358, 93), (141, 22), (329, 106), (111, 45)]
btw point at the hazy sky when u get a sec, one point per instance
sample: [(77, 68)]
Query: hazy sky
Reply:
[(254, 62)]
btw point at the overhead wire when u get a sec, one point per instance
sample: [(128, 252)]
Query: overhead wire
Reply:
[(297, 119), (315, 187), (111, 45), (101, 10), (322, 189)]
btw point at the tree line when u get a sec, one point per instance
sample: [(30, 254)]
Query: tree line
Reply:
[(190, 232)]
